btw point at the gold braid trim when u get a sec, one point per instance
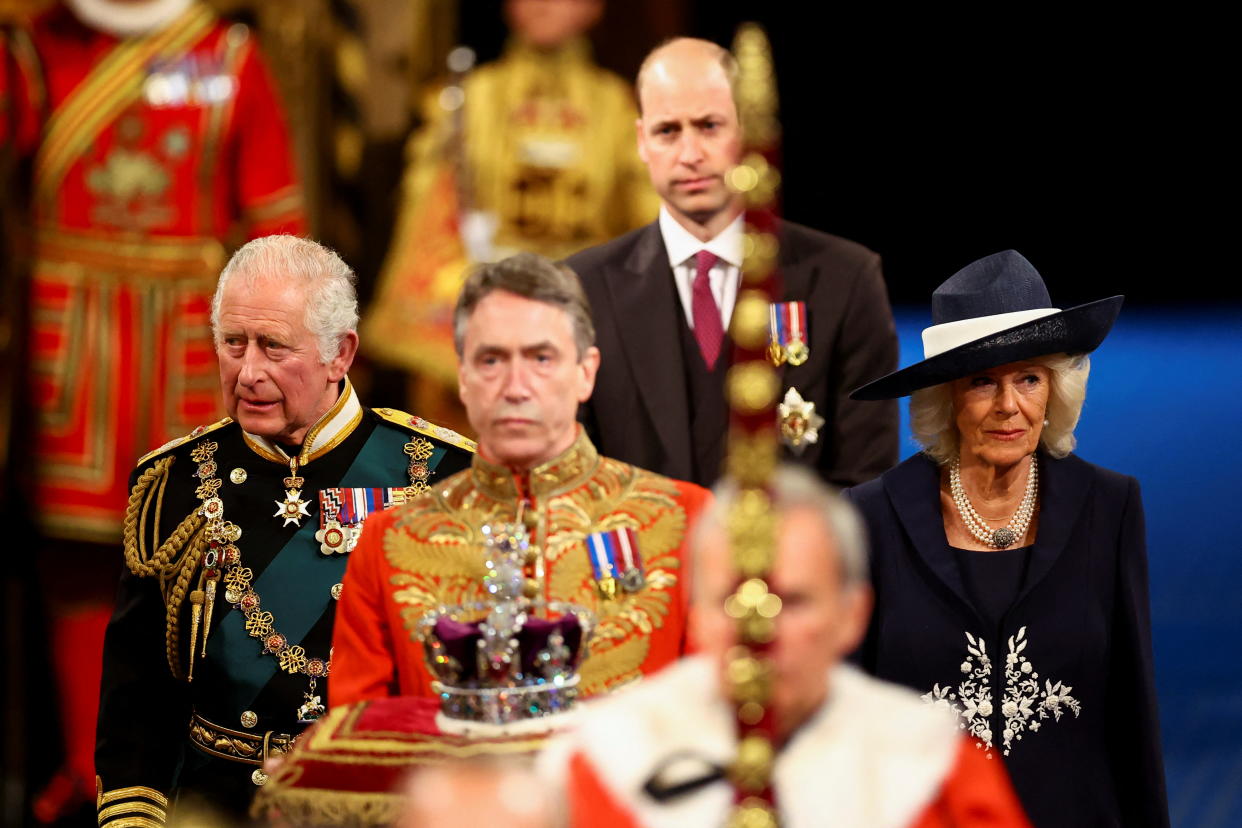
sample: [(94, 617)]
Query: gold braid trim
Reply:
[(174, 561), (132, 791), (133, 822), (173, 601), (313, 807), (132, 809)]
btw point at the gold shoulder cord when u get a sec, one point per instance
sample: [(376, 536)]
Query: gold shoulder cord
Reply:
[(174, 561)]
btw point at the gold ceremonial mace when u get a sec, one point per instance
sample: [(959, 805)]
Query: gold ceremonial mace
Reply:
[(752, 388)]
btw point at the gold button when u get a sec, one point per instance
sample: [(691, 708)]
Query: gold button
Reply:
[(238, 475), (530, 588), (530, 518), (532, 555), (336, 591), (258, 777), (249, 718)]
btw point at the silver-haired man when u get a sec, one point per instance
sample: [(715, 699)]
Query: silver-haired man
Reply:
[(852, 751), (236, 538)]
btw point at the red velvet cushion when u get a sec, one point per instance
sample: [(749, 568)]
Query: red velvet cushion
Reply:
[(348, 768)]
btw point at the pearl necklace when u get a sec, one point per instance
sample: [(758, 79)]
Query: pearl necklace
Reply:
[(977, 526)]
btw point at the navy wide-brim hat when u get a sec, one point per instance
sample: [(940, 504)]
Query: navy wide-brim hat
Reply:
[(993, 312)]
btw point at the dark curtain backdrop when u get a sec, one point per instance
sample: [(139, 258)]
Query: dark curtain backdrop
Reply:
[(1083, 139)]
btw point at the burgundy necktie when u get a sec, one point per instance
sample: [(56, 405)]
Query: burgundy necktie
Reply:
[(707, 328)]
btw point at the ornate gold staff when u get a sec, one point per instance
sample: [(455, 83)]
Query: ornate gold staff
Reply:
[(753, 388)]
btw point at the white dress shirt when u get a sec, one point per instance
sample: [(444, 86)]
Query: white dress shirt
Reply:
[(725, 275)]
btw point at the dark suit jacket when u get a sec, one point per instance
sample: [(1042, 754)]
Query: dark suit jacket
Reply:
[(1082, 613), (639, 411)]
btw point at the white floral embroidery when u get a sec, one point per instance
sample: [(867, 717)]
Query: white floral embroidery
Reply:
[(972, 700), (1023, 706)]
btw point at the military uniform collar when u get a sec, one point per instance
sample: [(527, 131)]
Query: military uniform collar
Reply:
[(562, 473), (326, 434)]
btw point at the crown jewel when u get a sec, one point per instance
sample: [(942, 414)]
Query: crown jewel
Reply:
[(507, 659)]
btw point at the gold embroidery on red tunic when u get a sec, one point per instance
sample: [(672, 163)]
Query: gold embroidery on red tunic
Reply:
[(435, 544)]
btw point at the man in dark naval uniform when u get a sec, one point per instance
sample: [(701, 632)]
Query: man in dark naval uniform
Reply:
[(236, 538)]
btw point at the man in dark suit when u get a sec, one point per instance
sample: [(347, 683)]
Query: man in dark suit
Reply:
[(662, 297)]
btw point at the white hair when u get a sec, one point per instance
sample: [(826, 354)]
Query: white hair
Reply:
[(331, 310), (931, 410), (794, 487)]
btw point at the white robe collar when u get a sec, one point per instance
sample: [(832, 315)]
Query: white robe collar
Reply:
[(874, 755)]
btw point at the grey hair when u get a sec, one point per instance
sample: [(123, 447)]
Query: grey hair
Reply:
[(530, 276), (331, 310), (931, 410), (722, 55), (794, 487)]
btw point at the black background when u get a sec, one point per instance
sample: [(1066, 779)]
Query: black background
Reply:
[(1085, 140)]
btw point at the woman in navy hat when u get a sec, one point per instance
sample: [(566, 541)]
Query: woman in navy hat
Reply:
[(1010, 575)]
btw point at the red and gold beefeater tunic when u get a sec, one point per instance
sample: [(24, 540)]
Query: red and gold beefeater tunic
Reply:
[(147, 151), (414, 558)]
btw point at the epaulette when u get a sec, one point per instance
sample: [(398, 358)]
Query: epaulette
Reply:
[(176, 441), (420, 426)]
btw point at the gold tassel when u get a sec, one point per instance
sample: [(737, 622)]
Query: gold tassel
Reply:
[(211, 602), (196, 614)]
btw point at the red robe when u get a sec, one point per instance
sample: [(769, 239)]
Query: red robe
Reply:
[(411, 559), (147, 152), (873, 756)]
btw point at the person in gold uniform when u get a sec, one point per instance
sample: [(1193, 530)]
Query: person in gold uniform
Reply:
[(534, 151)]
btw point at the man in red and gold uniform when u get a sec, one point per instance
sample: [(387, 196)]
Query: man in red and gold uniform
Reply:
[(605, 535), (154, 132)]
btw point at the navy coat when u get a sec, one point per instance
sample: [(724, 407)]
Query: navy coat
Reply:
[(1064, 693)]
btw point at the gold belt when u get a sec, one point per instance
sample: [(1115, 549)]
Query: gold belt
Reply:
[(235, 745), (196, 258)]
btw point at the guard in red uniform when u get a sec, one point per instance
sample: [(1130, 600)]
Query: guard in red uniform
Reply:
[(153, 132)]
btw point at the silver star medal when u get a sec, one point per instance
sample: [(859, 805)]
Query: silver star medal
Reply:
[(798, 421), (292, 508)]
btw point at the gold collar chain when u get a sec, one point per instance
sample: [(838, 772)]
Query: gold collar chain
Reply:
[(223, 562)]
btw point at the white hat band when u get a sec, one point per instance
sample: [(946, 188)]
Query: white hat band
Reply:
[(940, 338)]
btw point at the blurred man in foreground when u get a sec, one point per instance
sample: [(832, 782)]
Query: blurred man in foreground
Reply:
[(852, 750)]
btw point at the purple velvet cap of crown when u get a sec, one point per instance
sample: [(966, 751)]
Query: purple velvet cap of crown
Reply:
[(461, 641)]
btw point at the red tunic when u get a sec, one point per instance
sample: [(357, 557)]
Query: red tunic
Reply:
[(411, 559), (147, 153)]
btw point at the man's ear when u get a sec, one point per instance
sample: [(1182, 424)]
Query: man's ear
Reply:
[(588, 365), (858, 604), (346, 350)]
